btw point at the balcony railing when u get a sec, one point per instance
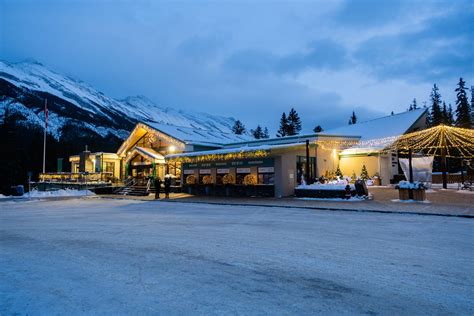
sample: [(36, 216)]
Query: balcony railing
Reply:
[(79, 177)]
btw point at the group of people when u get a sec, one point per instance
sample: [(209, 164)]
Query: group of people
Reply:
[(167, 185)]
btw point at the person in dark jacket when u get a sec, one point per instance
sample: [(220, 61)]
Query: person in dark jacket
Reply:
[(167, 187), (157, 188)]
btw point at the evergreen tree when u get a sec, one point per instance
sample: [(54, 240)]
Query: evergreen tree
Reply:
[(413, 105), (294, 123), (450, 115), (265, 133), (257, 133), (364, 174), (338, 171), (353, 176), (283, 130), (353, 118), (238, 128), (436, 114), (318, 129), (463, 110)]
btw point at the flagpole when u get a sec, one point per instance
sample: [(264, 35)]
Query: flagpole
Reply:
[(44, 139)]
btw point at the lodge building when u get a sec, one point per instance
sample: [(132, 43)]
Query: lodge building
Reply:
[(196, 156)]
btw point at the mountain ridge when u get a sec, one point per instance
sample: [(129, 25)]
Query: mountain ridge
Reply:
[(24, 86)]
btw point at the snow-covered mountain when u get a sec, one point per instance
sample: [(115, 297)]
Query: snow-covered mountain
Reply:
[(25, 85)]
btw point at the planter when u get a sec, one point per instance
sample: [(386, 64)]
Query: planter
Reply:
[(419, 195), (323, 194), (404, 194)]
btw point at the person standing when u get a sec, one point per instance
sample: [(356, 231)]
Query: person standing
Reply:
[(157, 188), (167, 186)]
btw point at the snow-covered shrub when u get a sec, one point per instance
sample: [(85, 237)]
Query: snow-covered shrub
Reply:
[(407, 185)]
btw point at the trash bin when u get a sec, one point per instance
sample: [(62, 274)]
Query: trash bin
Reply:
[(20, 190), (361, 188)]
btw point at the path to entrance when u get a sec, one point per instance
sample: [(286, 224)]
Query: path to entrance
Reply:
[(440, 202)]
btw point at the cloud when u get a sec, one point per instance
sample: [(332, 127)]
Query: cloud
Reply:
[(320, 54), (442, 49)]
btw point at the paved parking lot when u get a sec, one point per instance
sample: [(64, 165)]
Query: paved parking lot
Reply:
[(140, 257)]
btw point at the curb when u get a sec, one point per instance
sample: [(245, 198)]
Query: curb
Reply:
[(320, 208)]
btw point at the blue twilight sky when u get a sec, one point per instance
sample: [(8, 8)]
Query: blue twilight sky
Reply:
[(252, 59)]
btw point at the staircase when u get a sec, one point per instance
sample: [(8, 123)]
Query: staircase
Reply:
[(133, 189)]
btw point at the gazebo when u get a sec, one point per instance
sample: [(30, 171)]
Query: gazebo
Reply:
[(441, 141)]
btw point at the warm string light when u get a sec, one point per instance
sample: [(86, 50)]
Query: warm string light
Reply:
[(152, 137), (221, 157), (456, 142)]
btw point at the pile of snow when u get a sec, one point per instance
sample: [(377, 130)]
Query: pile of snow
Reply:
[(58, 193), (414, 186), (47, 194), (339, 185)]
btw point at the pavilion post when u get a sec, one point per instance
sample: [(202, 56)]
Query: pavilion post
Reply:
[(443, 157), (410, 172), (410, 165), (443, 168), (307, 162)]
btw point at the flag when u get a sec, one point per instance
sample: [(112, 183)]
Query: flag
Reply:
[(46, 113)]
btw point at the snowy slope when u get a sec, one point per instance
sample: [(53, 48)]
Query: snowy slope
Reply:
[(78, 101)]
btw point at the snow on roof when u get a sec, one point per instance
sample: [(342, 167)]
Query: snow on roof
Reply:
[(392, 125), (197, 135), (150, 153)]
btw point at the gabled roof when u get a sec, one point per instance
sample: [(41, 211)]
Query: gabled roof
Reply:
[(392, 125), (199, 136)]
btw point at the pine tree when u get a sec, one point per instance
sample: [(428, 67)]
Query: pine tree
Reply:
[(450, 115), (436, 115), (257, 133), (283, 130), (353, 176), (463, 110), (318, 129), (238, 128), (294, 123), (413, 105), (265, 133), (353, 118), (364, 174), (338, 171)]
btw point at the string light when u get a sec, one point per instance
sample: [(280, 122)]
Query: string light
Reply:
[(221, 157), (456, 142), (152, 137)]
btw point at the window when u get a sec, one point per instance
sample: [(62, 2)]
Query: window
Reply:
[(109, 166), (301, 166), (266, 178)]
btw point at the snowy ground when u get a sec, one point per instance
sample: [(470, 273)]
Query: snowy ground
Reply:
[(100, 256)]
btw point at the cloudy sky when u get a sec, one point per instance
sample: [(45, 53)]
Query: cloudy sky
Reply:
[(252, 59)]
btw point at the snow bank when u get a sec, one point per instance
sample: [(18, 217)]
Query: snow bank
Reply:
[(340, 185), (407, 185), (59, 193), (43, 194)]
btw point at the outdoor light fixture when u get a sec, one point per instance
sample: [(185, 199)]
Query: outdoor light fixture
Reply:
[(172, 148)]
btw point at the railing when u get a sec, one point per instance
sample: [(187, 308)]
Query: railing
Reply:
[(79, 177)]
